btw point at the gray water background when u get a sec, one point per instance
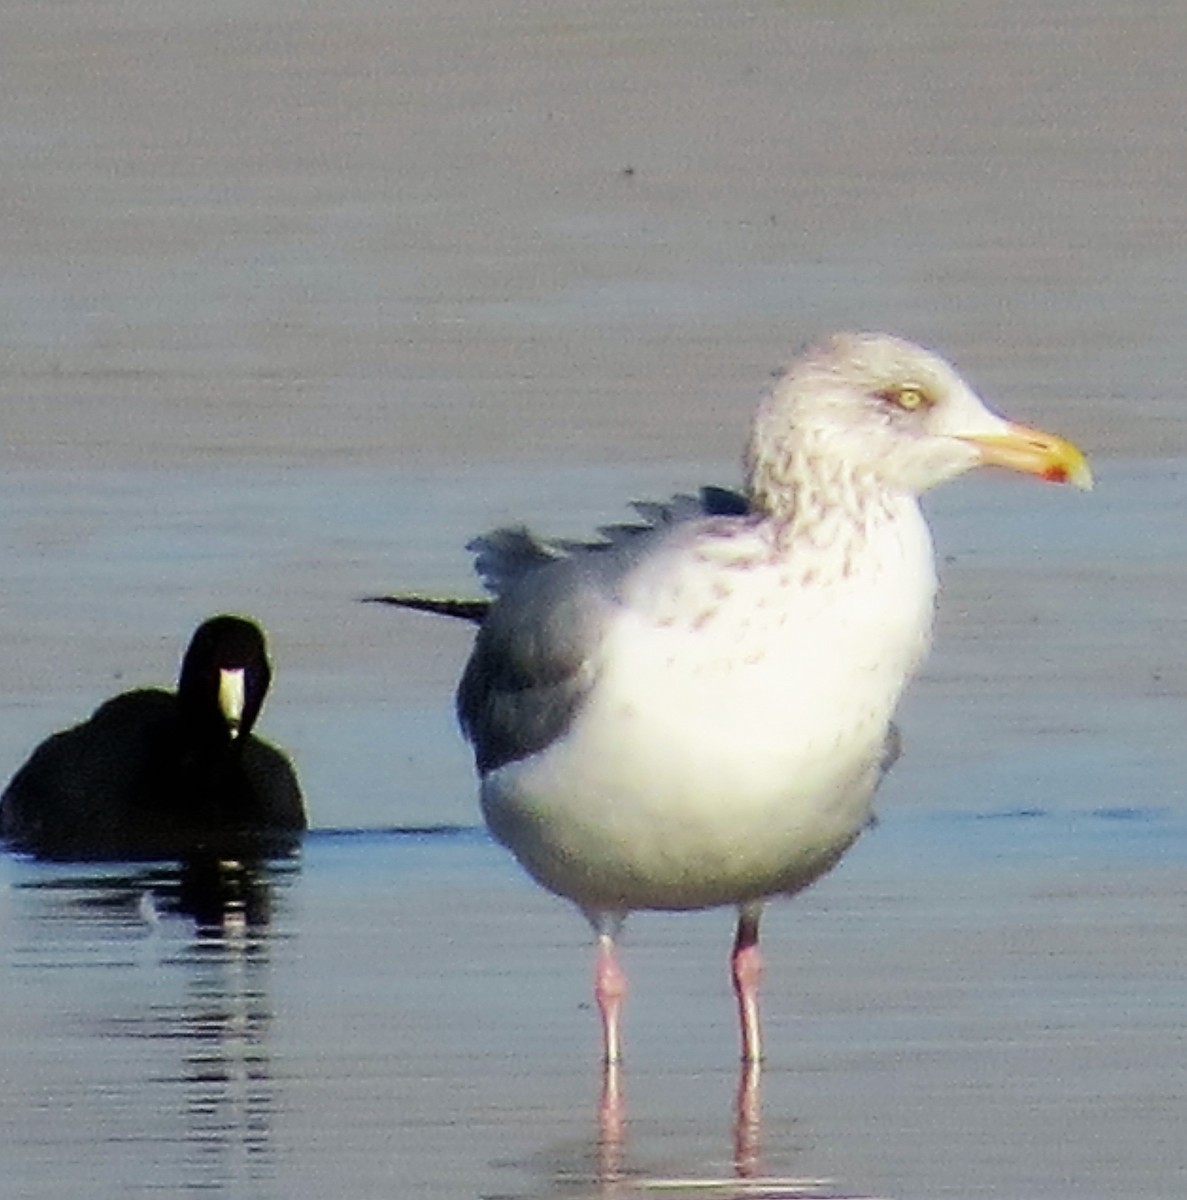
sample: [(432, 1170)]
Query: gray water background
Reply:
[(295, 299)]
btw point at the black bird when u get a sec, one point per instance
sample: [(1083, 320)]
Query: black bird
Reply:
[(157, 774)]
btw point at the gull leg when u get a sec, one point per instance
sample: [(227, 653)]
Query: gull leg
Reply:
[(746, 965), (609, 989)]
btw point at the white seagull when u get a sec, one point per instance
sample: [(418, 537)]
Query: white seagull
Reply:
[(697, 710)]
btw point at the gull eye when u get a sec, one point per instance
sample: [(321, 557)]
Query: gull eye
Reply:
[(908, 396)]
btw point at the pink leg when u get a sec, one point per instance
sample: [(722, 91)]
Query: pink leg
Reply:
[(747, 972), (748, 1123), (609, 988)]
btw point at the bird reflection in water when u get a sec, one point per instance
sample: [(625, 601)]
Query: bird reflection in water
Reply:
[(612, 1167), (221, 895), (224, 1024), (615, 1176), (748, 1122), (611, 1125), (190, 1003)]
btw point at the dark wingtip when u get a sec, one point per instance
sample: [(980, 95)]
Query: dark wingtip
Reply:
[(443, 606), (723, 502)]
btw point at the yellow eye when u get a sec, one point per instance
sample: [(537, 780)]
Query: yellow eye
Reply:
[(908, 397)]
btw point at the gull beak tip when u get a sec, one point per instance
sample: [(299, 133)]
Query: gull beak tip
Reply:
[(1075, 471), (1035, 452)]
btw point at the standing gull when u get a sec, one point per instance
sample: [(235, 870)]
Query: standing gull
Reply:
[(697, 711)]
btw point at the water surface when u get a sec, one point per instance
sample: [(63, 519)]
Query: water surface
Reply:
[(294, 301)]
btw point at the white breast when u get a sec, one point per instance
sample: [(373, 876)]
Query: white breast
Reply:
[(732, 741)]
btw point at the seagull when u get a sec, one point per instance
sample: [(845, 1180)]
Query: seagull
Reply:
[(695, 711), (155, 774)]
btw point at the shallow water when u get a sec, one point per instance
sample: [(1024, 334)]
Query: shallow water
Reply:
[(293, 302), (986, 998), (407, 1016)]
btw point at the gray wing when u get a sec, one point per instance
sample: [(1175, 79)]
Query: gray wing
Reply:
[(505, 555), (892, 749), (534, 658), (538, 634)]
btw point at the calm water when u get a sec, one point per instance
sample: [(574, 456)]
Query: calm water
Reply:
[(977, 1004), (294, 302)]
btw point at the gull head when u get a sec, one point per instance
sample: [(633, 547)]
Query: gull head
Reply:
[(873, 412)]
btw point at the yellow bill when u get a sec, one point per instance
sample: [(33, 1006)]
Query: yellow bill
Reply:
[(1035, 452)]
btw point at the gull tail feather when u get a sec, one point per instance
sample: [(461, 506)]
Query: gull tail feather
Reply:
[(443, 606), (505, 555)]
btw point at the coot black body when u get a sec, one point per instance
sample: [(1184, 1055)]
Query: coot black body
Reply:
[(157, 774)]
